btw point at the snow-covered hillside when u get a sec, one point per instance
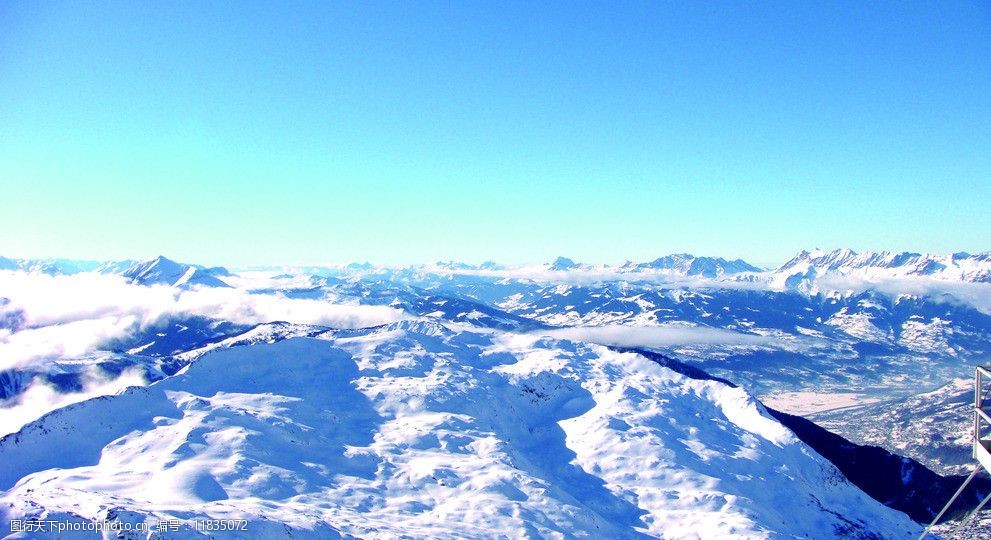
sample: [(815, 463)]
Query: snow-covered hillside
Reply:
[(419, 429)]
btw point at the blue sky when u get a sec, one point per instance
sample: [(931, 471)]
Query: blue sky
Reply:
[(264, 132)]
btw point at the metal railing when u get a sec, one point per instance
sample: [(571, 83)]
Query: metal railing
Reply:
[(981, 446)]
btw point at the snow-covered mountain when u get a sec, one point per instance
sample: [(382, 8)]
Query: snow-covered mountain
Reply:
[(848, 342), (679, 264), (48, 266), (418, 429), (163, 271), (824, 337), (962, 267), (816, 334), (562, 264), (690, 265)]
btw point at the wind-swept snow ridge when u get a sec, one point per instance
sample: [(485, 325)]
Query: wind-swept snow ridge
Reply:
[(414, 429)]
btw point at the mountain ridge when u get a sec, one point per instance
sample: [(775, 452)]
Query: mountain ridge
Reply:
[(806, 264)]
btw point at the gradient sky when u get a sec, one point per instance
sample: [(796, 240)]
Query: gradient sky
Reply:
[(271, 132)]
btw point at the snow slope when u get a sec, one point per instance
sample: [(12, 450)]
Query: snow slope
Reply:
[(417, 429)]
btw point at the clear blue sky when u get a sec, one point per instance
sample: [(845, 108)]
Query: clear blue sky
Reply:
[(270, 132)]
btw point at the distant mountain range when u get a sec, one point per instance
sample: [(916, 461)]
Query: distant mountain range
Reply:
[(689, 265), (679, 264), (805, 268), (954, 267), (807, 320), (157, 271), (806, 265)]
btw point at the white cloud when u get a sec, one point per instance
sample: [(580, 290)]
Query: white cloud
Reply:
[(976, 295), (65, 316), (657, 336), (39, 398), (63, 340)]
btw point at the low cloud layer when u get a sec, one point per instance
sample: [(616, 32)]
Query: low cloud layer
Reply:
[(50, 317), (40, 398), (657, 336), (976, 295)]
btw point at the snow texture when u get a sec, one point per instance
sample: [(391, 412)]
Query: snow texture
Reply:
[(415, 429)]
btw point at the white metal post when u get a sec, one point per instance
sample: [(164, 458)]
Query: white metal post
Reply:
[(977, 414)]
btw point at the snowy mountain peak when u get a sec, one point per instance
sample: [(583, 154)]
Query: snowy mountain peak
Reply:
[(690, 265), (164, 271), (365, 266), (819, 258), (563, 263)]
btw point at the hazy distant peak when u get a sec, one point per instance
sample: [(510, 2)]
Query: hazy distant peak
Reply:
[(563, 263)]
